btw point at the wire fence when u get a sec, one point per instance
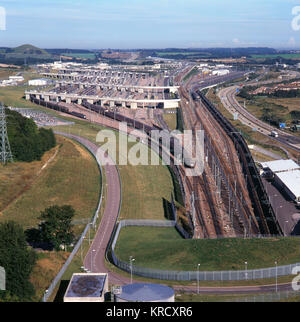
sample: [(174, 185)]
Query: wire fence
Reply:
[(238, 275), (270, 297), (89, 226)]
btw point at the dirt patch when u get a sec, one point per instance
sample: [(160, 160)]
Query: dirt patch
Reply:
[(84, 153)]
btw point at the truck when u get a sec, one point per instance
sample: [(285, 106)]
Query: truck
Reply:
[(274, 134)]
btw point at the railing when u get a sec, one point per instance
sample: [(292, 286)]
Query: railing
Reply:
[(237, 275)]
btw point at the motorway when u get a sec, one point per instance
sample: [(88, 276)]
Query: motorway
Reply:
[(229, 101)]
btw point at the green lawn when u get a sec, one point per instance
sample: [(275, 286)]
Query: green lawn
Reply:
[(171, 120), (80, 55), (163, 248)]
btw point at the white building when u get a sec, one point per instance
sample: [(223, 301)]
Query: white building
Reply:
[(38, 82), (286, 174), (16, 78), (220, 72)]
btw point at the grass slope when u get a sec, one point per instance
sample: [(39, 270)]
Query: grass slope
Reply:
[(72, 178)]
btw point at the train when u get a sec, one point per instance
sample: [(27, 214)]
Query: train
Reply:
[(56, 107), (189, 162)]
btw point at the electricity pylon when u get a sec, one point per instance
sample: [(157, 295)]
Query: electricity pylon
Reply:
[(5, 151)]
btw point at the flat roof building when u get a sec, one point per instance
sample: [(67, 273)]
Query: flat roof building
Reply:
[(281, 166), (286, 174), (84, 287)]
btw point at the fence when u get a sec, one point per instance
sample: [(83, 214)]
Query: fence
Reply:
[(269, 297), (91, 224), (240, 275)]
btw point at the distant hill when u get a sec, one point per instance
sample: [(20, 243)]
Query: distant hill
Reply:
[(29, 50), (25, 54)]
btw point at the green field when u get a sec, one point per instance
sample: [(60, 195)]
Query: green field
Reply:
[(287, 56), (171, 120), (163, 248), (80, 55), (184, 53), (71, 178)]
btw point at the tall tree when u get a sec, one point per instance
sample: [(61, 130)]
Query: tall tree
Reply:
[(56, 227), (17, 259)]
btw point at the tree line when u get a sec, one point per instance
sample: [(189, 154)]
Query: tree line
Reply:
[(18, 259), (28, 142)]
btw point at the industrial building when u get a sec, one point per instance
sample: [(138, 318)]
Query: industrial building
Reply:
[(116, 86), (145, 292), (84, 287), (286, 175)]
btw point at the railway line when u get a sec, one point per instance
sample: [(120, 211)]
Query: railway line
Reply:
[(264, 221), (264, 212)]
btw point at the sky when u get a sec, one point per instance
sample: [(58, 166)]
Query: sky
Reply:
[(99, 24)]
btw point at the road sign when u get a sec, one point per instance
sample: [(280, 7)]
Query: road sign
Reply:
[(237, 90), (282, 125)]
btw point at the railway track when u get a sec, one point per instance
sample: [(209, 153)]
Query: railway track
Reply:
[(267, 219), (211, 217), (232, 170)]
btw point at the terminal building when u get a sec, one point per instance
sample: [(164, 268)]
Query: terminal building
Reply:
[(286, 174)]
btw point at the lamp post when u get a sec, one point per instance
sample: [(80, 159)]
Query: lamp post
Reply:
[(131, 260), (92, 260), (286, 222), (246, 274)]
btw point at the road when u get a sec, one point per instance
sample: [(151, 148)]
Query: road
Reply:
[(229, 101)]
